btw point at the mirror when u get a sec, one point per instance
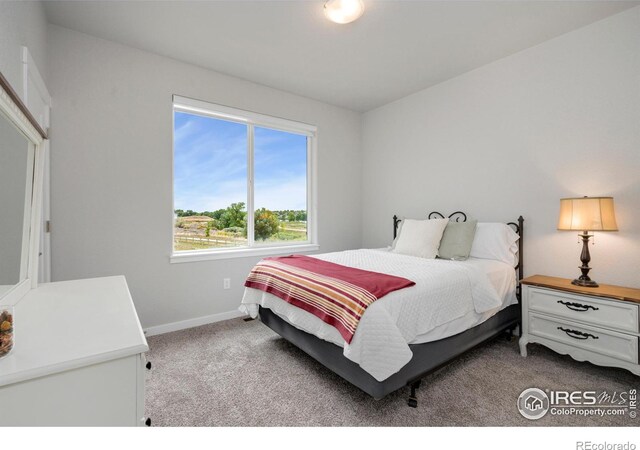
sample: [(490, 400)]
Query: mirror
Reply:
[(16, 180), (21, 162)]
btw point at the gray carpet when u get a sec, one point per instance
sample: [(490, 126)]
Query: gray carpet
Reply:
[(237, 373)]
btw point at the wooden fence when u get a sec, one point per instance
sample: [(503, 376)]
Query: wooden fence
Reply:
[(217, 240)]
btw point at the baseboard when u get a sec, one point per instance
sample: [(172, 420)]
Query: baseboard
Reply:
[(190, 323)]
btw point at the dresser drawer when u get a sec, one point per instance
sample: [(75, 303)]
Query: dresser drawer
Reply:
[(620, 316), (616, 345)]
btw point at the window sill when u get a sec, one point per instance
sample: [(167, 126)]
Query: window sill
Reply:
[(207, 255)]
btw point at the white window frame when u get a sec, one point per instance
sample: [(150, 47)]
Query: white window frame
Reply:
[(251, 119)]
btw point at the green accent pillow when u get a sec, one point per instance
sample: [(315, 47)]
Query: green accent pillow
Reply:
[(457, 240)]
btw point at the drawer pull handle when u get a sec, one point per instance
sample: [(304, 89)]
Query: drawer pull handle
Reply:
[(578, 334), (577, 306), (148, 365)]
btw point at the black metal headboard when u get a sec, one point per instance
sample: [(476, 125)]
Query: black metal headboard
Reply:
[(459, 216)]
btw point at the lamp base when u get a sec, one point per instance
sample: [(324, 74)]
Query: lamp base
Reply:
[(584, 283), (584, 280)]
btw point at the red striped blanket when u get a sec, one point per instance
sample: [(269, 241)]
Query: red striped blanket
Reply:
[(337, 294)]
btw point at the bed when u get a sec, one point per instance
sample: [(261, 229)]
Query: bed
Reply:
[(410, 333)]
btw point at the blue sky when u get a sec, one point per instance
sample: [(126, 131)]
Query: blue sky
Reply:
[(210, 165)]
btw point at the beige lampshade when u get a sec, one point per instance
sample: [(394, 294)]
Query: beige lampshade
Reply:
[(587, 214)]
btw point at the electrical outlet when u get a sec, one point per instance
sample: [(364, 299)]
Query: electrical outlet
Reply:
[(226, 283)]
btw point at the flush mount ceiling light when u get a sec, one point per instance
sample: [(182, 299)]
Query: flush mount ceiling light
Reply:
[(343, 11)]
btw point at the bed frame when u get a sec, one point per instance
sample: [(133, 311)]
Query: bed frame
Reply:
[(427, 358)]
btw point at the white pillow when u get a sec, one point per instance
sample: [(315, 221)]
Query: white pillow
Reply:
[(495, 241), (420, 237)]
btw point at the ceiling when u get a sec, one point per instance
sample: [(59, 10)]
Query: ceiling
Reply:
[(395, 49)]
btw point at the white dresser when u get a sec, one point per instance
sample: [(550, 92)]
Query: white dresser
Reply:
[(600, 325), (78, 358)]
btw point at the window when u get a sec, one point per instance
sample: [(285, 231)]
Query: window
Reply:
[(242, 183)]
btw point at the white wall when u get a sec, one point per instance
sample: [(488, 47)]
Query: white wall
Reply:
[(22, 23), (111, 172), (557, 120)]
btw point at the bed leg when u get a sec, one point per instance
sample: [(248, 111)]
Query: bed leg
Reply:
[(413, 400)]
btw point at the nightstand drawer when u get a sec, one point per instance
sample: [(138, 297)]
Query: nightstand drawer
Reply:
[(612, 314), (616, 345)]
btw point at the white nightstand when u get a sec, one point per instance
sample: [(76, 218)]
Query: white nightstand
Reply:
[(599, 325)]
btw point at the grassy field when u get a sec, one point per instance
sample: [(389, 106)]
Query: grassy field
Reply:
[(190, 233), (302, 226)]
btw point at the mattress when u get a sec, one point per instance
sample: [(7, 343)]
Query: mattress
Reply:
[(448, 298)]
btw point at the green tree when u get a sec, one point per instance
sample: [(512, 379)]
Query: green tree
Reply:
[(266, 224), (233, 216), (218, 213), (210, 225)]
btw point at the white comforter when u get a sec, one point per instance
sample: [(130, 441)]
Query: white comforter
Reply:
[(444, 291)]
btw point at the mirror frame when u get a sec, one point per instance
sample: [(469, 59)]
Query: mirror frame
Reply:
[(17, 113)]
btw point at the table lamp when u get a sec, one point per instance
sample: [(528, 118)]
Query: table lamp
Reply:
[(586, 214)]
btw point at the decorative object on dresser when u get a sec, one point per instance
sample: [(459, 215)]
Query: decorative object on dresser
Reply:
[(586, 214), (6, 330), (599, 325)]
